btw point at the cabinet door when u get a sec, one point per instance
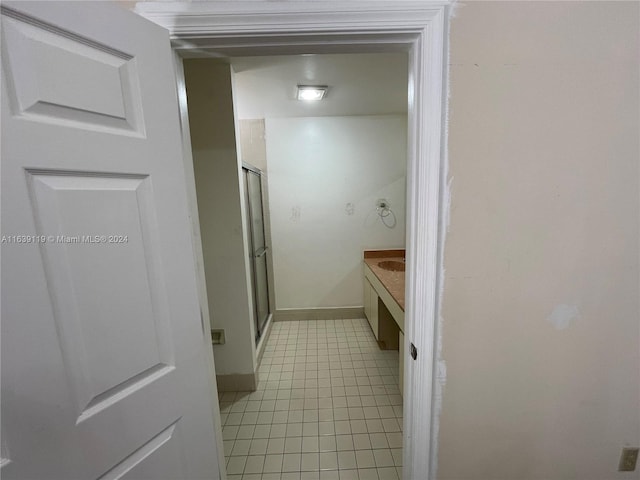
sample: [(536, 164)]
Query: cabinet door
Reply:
[(373, 319), (371, 306), (367, 299)]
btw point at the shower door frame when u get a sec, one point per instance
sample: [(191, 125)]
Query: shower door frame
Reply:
[(420, 28), (251, 169)]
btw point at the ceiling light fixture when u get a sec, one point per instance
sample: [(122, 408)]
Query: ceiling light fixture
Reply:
[(312, 93)]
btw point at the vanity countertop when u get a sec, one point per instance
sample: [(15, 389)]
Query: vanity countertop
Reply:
[(392, 281)]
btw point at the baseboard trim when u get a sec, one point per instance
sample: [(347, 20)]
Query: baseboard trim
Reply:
[(332, 313), (237, 382)]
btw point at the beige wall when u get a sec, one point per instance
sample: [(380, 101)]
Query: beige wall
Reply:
[(544, 155), (219, 193)]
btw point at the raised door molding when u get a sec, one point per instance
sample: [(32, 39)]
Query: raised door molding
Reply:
[(283, 27)]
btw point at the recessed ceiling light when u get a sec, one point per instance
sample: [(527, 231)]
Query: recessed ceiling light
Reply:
[(312, 92)]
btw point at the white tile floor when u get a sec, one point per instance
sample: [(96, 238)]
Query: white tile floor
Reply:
[(327, 407)]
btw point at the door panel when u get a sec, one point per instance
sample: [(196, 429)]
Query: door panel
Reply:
[(262, 289), (114, 330), (158, 458), (255, 204), (39, 62), (105, 372), (260, 249)]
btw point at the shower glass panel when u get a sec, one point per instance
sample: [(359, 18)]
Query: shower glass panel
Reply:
[(257, 247)]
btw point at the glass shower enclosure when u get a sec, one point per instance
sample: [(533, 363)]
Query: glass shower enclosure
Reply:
[(257, 249)]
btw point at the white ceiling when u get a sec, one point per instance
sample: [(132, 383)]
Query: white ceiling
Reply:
[(359, 84)]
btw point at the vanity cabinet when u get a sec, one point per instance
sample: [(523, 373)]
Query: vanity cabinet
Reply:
[(385, 314), (375, 290)]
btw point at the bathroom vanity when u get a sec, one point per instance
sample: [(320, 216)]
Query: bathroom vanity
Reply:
[(384, 299)]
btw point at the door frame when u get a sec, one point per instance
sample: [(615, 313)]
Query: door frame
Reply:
[(256, 171), (219, 29)]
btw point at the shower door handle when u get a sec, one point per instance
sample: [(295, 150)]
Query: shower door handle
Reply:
[(261, 252)]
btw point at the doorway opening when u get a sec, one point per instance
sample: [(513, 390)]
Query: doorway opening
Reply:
[(216, 30), (330, 174), (324, 387)]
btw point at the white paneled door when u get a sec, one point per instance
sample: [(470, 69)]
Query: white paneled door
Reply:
[(105, 372)]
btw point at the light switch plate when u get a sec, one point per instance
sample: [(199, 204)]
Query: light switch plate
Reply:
[(628, 460)]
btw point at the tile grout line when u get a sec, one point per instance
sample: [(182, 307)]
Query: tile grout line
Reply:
[(288, 345)]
